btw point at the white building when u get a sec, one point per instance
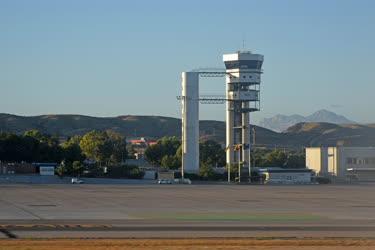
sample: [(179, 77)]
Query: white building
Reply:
[(342, 161), (286, 176)]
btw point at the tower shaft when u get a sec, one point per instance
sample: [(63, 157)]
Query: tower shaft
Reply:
[(190, 122)]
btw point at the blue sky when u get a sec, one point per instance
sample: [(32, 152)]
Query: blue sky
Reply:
[(109, 58)]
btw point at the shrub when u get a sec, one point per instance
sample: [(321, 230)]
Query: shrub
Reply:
[(322, 180), (135, 173), (126, 171)]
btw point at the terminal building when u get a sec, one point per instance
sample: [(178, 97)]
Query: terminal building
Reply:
[(342, 162)]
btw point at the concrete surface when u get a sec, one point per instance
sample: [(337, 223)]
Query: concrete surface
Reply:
[(187, 210)]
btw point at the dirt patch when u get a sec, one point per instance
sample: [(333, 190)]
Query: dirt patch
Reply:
[(183, 244)]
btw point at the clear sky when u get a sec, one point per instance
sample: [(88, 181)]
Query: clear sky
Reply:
[(109, 58)]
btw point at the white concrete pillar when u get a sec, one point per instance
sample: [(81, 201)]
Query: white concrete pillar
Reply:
[(190, 122), (229, 124)]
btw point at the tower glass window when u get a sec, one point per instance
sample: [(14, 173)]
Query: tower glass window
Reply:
[(243, 64)]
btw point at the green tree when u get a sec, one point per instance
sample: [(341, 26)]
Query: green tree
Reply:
[(179, 154), (17, 148), (170, 162), (166, 146), (97, 146), (34, 133), (154, 154), (170, 145), (258, 157), (119, 150), (276, 158), (30, 147), (295, 161), (206, 171), (72, 150), (61, 170), (77, 168), (48, 148), (211, 154)]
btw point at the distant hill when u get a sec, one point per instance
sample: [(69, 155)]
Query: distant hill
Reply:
[(69, 125), (316, 134), (328, 117), (129, 125), (280, 123), (298, 135)]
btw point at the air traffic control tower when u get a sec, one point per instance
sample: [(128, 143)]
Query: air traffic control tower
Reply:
[(243, 71), (243, 77)]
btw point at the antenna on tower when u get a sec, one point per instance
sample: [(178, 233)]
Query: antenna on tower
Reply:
[(244, 50), (243, 42)]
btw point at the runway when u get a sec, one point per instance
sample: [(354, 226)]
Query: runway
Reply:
[(175, 211)]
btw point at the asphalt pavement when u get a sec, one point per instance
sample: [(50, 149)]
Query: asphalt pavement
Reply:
[(151, 210)]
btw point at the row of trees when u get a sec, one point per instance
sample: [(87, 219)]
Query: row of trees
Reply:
[(102, 147), (167, 154), (278, 158), (32, 146), (108, 148)]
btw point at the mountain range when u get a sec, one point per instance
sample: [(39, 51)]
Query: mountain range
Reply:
[(296, 136), (280, 122)]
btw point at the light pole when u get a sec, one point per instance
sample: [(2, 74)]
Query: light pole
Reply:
[(239, 165), (228, 173), (228, 168), (253, 146)]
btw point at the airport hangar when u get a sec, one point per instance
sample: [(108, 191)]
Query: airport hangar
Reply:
[(342, 162)]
